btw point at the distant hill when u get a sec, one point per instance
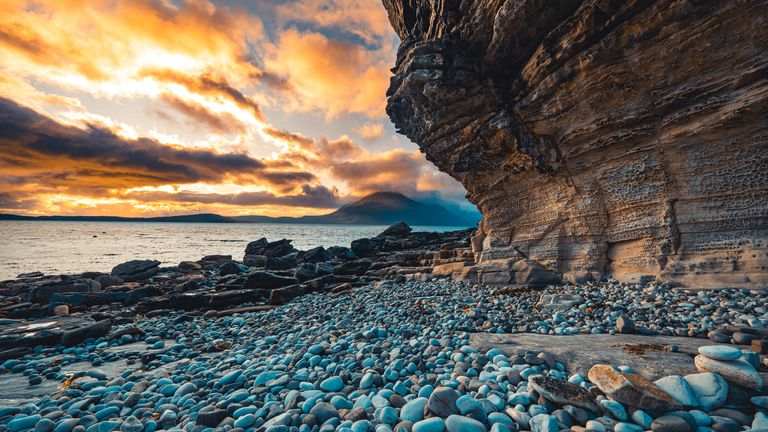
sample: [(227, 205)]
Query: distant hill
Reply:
[(203, 217), (380, 208)]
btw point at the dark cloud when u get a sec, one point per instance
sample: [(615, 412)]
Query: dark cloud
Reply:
[(17, 201), (32, 145), (310, 196)]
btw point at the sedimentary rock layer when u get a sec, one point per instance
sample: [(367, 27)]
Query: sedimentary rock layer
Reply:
[(622, 137)]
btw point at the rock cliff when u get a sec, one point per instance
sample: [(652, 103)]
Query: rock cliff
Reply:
[(626, 137)]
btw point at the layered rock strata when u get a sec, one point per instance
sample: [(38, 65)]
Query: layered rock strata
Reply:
[(620, 137)]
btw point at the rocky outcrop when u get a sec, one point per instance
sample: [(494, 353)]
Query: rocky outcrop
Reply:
[(619, 137)]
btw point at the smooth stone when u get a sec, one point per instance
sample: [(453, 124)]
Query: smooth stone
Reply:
[(457, 423), (760, 421), (724, 424), (332, 384), (616, 409), (720, 352), (45, 425), (324, 411), (413, 411), (595, 426), (761, 401), (544, 423), (739, 372), (710, 389), (434, 424), (677, 387), (670, 423), (442, 402), (22, 423)]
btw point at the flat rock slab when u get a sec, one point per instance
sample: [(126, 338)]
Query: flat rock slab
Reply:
[(47, 331), (645, 354)]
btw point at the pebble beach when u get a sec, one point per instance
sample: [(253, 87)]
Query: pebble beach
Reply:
[(390, 357)]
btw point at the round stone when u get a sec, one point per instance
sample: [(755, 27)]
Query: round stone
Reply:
[(720, 352), (434, 424), (670, 423), (457, 423), (332, 384)]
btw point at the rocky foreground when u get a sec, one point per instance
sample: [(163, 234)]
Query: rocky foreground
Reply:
[(367, 339)]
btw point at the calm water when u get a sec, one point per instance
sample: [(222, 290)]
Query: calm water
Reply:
[(74, 247)]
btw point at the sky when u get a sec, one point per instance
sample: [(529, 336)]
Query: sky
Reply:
[(158, 107)]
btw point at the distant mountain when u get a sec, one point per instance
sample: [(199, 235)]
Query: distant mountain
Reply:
[(199, 218), (380, 208)]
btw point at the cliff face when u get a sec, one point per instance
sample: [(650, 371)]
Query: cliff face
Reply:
[(600, 136)]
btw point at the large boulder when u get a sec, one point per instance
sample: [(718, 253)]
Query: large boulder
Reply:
[(314, 255), (398, 229), (136, 270), (277, 248), (267, 280)]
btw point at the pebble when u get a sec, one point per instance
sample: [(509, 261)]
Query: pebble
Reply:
[(670, 423), (720, 352)]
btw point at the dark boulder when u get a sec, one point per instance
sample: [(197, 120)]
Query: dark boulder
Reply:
[(285, 294), (256, 247), (94, 330), (277, 248), (357, 267), (341, 252), (315, 255), (230, 267), (305, 272), (136, 270), (363, 247), (257, 261), (277, 263), (64, 284), (267, 280), (398, 229)]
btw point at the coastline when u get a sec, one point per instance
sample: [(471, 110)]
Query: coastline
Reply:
[(364, 338)]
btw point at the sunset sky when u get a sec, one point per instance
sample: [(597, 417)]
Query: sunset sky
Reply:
[(156, 107)]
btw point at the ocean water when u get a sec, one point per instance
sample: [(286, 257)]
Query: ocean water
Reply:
[(54, 247)]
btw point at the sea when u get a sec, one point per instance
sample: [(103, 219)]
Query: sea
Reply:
[(59, 247)]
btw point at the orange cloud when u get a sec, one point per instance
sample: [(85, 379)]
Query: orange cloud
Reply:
[(366, 19), (370, 131), (43, 151), (330, 76)]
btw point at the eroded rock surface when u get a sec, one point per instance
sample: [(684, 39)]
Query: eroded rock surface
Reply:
[(621, 137)]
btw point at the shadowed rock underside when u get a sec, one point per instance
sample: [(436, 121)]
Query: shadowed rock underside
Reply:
[(620, 137)]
